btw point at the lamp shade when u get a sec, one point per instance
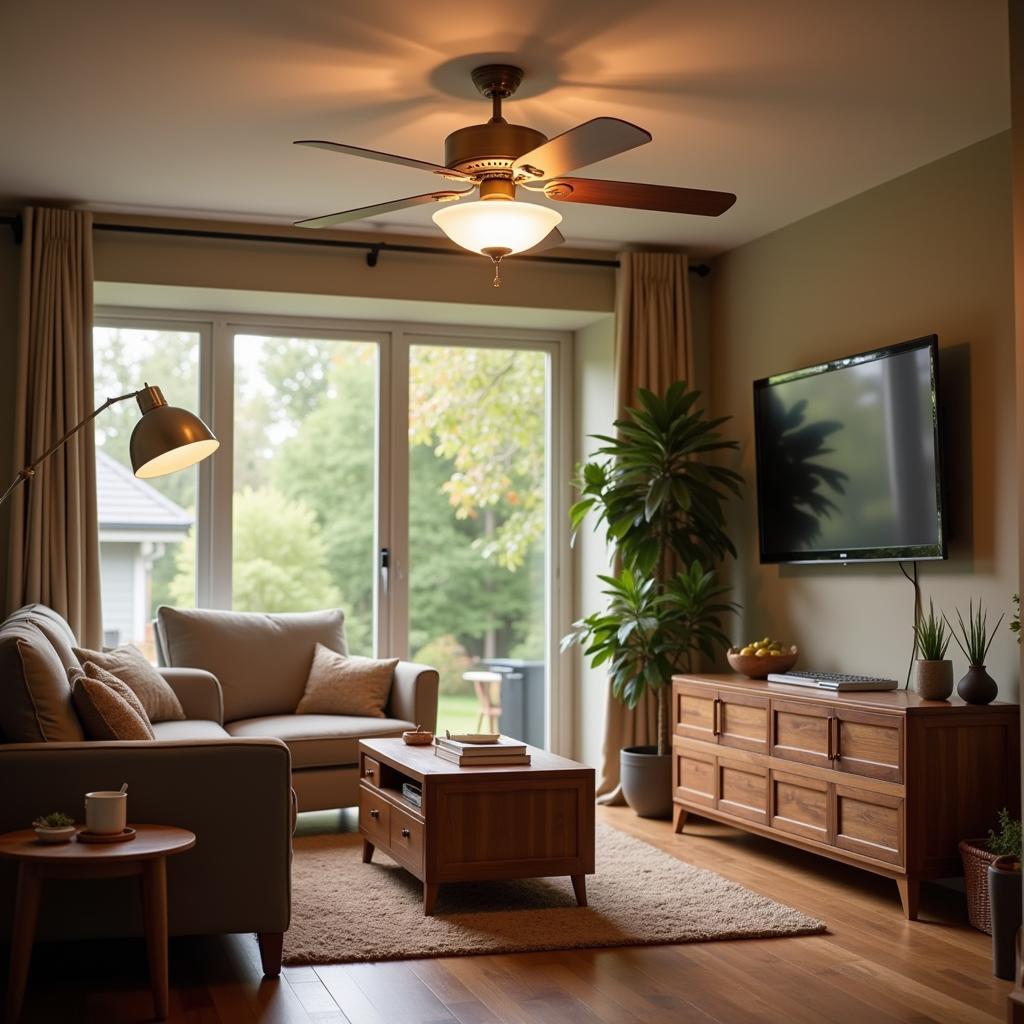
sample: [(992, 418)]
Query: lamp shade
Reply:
[(497, 224), (167, 438)]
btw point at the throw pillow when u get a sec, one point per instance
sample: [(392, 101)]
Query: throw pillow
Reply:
[(130, 666), (107, 707), (341, 684)]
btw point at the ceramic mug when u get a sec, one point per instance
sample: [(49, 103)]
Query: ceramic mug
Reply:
[(106, 812)]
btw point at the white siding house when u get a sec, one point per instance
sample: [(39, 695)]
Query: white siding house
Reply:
[(136, 523)]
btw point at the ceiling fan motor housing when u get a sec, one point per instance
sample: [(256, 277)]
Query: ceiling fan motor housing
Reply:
[(488, 150)]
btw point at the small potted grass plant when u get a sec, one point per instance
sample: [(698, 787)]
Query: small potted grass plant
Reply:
[(933, 672), (974, 638), (54, 828)]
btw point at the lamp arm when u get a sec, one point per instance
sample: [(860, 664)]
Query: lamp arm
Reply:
[(29, 471)]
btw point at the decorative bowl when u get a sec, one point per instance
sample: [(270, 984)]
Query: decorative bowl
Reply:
[(64, 834), (757, 667), (417, 737)]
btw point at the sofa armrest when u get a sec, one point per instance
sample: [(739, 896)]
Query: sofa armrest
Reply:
[(414, 694), (199, 692), (234, 794)]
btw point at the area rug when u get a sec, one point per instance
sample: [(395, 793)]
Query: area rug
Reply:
[(345, 911)]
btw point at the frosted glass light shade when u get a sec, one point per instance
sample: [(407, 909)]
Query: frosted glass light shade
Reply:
[(497, 224)]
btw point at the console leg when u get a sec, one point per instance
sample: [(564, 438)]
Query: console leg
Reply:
[(910, 891), (270, 952), (579, 886), (429, 898), (680, 818), (367, 851)]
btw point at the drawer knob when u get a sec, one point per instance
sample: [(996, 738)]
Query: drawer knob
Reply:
[(368, 773), (405, 833), (374, 813)]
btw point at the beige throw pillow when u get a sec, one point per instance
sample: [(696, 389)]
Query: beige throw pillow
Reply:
[(341, 684), (130, 666), (107, 707)]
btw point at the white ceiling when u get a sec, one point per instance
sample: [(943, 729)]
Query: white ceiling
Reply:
[(191, 105)]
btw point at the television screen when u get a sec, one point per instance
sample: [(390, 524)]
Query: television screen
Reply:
[(848, 461)]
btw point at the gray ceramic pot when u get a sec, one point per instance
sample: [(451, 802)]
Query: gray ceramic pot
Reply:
[(646, 778), (933, 680), (977, 687)]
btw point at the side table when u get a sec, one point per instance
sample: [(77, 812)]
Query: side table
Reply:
[(145, 855)]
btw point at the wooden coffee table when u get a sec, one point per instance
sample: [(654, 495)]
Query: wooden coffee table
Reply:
[(477, 824), (145, 855)]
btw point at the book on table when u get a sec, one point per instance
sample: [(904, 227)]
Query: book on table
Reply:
[(504, 745), (479, 761)]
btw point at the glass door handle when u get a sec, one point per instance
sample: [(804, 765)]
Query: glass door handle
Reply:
[(384, 564)]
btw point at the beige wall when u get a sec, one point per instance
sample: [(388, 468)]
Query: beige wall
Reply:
[(927, 252)]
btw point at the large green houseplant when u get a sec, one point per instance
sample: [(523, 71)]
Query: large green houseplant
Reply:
[(661, 502)]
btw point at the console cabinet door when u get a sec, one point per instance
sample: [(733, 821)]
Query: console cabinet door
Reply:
[(743, 790), (800, 806), (695, 712), (743, 721), (868, 743), (800, 732), (869, 824), (693, 775)]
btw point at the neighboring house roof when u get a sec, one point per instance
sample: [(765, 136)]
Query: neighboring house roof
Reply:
[(131, 509)]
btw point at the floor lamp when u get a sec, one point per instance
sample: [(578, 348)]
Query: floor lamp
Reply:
[(164, 440)]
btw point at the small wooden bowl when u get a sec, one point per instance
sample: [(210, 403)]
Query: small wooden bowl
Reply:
[(417, 737), (754, 667)]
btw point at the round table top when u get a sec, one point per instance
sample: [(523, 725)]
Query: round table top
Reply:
[(150, 841)]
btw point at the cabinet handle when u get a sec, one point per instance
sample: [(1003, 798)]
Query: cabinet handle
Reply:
[(368, 773), (374, 813), (405, 833), (716, 717), (833, 738)]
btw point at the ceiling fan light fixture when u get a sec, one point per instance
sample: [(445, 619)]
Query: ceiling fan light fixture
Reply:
[(507, 225)]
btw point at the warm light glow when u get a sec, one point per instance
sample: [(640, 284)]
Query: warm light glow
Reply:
[(177, 458), (497, 223)]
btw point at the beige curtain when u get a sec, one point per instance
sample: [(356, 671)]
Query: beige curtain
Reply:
[(54, 547), (653, 348)]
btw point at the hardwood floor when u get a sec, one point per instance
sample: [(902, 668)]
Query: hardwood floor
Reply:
[(872, 965)]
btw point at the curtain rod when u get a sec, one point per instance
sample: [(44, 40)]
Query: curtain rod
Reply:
[(372, 249)]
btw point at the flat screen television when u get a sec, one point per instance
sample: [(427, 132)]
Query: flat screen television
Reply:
[(848, 459)]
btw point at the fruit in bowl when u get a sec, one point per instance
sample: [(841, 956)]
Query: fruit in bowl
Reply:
[(756, 659)]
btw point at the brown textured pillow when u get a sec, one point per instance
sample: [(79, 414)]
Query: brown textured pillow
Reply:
[(341, 684), (129, 665), (107, 707)]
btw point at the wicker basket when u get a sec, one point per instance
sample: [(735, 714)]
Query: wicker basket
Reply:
[(976, 858)]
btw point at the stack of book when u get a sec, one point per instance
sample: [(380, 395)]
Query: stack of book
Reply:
[(504, 751)]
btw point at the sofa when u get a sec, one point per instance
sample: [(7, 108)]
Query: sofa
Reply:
[(233, 792), (261, 663)]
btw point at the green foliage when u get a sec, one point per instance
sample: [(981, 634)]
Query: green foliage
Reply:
[(1007, 841), (931, 636), (661, 503), (974, 638), (649, 630), (58, 819), (450, 658), (1015, 621)]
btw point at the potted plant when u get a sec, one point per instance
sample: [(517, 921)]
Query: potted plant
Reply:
[(662, 506), (933, 673), (54, 828), (977, 686), (1004, 893), (977, 856)]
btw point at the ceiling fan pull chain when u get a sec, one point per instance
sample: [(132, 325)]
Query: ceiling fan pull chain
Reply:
[(496, 283)]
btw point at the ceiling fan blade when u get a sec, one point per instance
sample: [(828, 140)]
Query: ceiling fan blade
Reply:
[(635, 196), (549, 241), (388, 158), (330, 219), (580, 146)]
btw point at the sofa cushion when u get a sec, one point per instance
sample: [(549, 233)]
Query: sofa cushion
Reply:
[(108, 708), (343, 684), (320, 741), (54, 628), (129, 665), (35, 693), (261, 660), (190, 729)]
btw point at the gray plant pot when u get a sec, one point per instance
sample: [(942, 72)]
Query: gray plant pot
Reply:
[(646, 778), (933, 680)]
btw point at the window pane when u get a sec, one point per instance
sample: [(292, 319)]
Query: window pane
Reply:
[(477, 532), (305, 477), (147, 540)]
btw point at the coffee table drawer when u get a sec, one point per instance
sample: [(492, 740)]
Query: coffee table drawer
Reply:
[(374, 816), (406, 839), (371, 771)]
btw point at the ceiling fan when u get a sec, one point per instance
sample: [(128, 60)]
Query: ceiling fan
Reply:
[(497, 158)]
